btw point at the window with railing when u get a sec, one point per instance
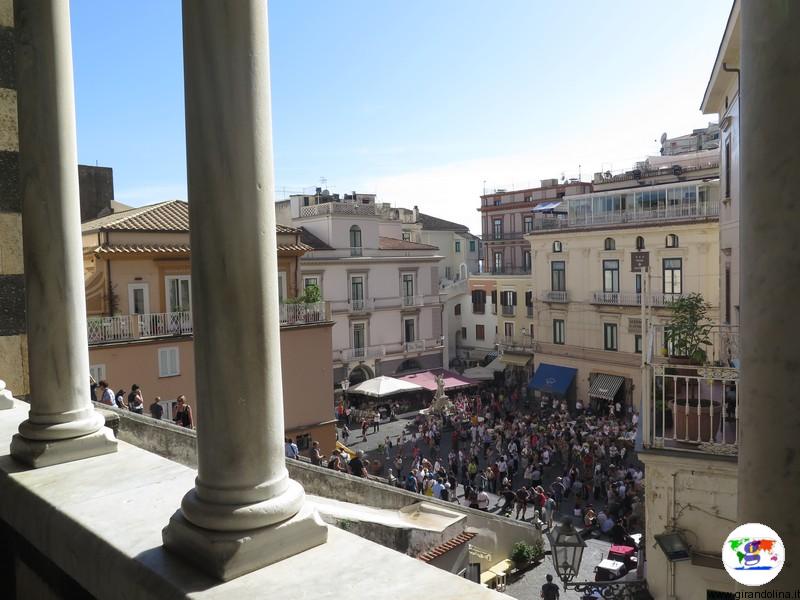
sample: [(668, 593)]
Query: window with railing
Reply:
[(355, 241), (672, 275), (558, 276), (478, 302), (508, 301), (611, 276)]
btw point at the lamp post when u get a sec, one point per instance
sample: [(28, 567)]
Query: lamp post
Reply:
[(566, 547)]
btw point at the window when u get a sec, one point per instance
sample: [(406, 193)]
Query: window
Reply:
[(526, 259), (479, 332), (472, 246), (406, 236), (359, 337), (728, 168), (609, 244), (528, 198), (357, 292), (168, 362), (508, 329), (672, 241), (448, 273), (457, 311), (458, 246), (498, 262), (179, 293), (408, 330), (497, 229), (531, 330), (508, 300), (558, 276), (98, 372), (408, 285), (639, 242), (637, 283), (463, 333), (611, 276), (637, 344), (609, 336), (558, 331), (282, 293), (557, 247), (494, 302), (527, 224), (672, 275), (355, 241), (727, 293), (478, 302)]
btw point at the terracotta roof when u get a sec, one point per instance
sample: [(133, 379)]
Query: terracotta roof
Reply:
[(437, 224), (294, 248), (461, 538), (284, 229), (165, 216), (309, 238), (387, 243), (143, 249)]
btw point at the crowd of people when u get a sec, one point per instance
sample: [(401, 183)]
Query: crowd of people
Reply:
[(531, 460), (134, 402)]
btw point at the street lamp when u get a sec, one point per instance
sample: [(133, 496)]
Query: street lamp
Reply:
[(566, 547)]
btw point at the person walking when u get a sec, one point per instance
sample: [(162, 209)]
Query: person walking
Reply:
[(106, 396), (183, 413), (549, 589), (136, 400), (156, 410)]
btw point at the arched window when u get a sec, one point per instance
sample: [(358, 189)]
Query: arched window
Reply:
[(355, 240), (609, 244), (672, 241), (557, 247), (639, 242)]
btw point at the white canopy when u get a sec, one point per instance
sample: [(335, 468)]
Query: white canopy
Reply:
[(378, 387), (485, 373)]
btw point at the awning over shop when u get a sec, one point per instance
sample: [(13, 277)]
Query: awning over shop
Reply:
[(547, 206), (552, 379), (517, 360), (605, 386), (427, 379), (380, 387)]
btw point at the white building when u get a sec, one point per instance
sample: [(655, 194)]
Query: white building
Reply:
[(383, 290)]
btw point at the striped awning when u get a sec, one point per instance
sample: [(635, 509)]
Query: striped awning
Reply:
[(605, 386)]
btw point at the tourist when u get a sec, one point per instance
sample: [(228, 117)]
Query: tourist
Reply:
[(549, 589), (136, 400), (364, 427), (376, 422), (521, 497), (106, 396), (119, 400), (156, 410), (290, 448), (314, 454), (183, 413), (356, 465), (483, 500)]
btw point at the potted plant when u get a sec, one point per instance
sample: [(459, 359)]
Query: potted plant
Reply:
[(688, 332), (522, 554)]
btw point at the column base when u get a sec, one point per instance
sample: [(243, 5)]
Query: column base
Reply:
[(227, 555), (44, 453)]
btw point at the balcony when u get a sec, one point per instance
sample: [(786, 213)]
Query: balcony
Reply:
[(672, 213), (617, 298), (518, 343), (722, 351), (338, 208), (500, 236), (507, 311), (555, 296), (359, 305), (662, 300), (422, 345), (362, 353), (356, 251), (122, 328), (501, 270), (693, 409)]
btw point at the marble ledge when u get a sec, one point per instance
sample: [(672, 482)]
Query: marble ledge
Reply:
[(109, 510)]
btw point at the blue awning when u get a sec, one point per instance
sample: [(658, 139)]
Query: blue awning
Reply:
[(552, 379)]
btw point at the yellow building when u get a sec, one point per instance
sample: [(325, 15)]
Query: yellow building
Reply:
[(588, 309), (139, 302)]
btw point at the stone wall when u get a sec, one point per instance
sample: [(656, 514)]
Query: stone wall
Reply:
[(495, 534)]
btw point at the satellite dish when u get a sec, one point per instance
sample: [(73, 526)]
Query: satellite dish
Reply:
[(663, 137)]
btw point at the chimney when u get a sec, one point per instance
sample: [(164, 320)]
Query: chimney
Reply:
[(416, 214)]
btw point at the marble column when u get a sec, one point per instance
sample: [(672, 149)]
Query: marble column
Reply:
[(62, 424), (244, 512), (769, 447)]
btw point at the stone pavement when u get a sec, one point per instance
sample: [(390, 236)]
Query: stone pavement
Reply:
[(529, 586)]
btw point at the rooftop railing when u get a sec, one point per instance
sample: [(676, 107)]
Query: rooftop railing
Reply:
[(668, 213), (338, 208)]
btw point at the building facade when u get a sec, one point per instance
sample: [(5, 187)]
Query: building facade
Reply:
[(506, 216), (137, 268), (588, 309), (383, 290)]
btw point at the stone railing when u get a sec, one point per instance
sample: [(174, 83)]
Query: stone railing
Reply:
[(555, 296), (338, 208)]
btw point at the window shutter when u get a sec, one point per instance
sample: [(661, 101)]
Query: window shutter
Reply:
[(528, 298), (494, 297), (503, 298), (513, 298)]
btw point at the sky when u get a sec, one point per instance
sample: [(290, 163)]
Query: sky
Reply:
[(424, 103)]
